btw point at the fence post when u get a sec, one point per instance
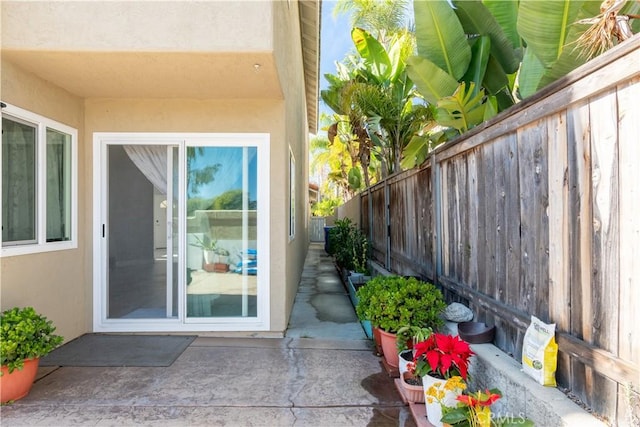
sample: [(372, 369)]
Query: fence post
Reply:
[(436, 203), (387, 231)]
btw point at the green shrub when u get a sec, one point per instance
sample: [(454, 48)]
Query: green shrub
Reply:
[(25, 334), (349, 246), (392, 302)]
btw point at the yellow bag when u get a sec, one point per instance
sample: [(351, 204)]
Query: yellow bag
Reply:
[(540, 352)]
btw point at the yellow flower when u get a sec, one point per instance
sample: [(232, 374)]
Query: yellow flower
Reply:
[(455, 383), (482, 415), (434, 393)]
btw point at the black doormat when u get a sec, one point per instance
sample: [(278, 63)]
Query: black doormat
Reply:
[(119, 350)]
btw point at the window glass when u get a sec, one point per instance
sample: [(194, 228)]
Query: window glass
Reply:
[(222, 209), (58, 186), (18, 182)]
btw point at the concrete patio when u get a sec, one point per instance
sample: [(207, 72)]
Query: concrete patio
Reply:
[(323, 373)]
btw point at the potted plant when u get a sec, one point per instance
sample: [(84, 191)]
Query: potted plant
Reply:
[(25, 337), (360, 273), (438, 359), (472, 409), (410, 385), (209, 247), (341, 244), (392, 302), (360, 257), (221, 259), (406, 337)]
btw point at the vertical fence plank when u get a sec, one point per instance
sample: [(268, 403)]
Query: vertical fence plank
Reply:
[(481, 200), (472, 231), (533, 205), (512, 223), (506, 200), (579, 153), (488, 284), (427, 225), (559, 285), (629, 153), (605, 285)]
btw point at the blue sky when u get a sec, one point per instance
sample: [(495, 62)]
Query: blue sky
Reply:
[(335, 43), (229, 175)]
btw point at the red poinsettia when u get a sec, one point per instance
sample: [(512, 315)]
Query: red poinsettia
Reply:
[(446, 355)]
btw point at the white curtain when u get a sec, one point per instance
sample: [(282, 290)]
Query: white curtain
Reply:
[(58, 185), (18, 182), (152, 162)]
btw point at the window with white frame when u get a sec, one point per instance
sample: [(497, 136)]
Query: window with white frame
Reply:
[(39, 183)]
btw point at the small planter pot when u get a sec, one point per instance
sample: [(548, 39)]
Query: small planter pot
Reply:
[(404, 358), (351, 288), (17, 384), (389, 348), (412, 387)]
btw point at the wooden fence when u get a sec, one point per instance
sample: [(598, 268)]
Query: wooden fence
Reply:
[(537, 212)]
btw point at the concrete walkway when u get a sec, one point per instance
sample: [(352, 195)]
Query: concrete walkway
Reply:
[(323, 373)]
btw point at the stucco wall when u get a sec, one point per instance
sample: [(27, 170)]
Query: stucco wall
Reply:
[(288, 57), (125, 26), (51, 282), (216, 116)]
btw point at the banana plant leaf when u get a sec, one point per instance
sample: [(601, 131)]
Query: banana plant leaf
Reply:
[(373, 53), (480, 51), (531, 73), (477, 19), (440, 37), (544, 25), (332, 98), (355, 178), (416, 152), (570, 58), (495, 79), (433, 82), (462, 110), (506, 15)]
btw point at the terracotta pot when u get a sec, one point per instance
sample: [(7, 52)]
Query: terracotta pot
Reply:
[(377, 340), (16, 385), (413, 393), (389, 348)]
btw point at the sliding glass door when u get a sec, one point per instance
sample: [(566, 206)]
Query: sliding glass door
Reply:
[(182, 232)]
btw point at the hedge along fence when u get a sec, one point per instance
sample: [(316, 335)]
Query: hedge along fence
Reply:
[(537, 212)]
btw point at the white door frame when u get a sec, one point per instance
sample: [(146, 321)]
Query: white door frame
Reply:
[(101, 140)]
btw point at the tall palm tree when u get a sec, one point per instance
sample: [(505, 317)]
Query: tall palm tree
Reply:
[(382, 18)]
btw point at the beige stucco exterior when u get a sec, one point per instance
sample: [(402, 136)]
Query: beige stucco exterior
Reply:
[(157, 67)]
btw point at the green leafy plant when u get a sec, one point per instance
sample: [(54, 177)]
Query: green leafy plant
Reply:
[(222, 251), (340, 243), (473, 409), (25, 334), (411, 335), (391, 302), (349, 246), (206, 243), (360, 249)]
